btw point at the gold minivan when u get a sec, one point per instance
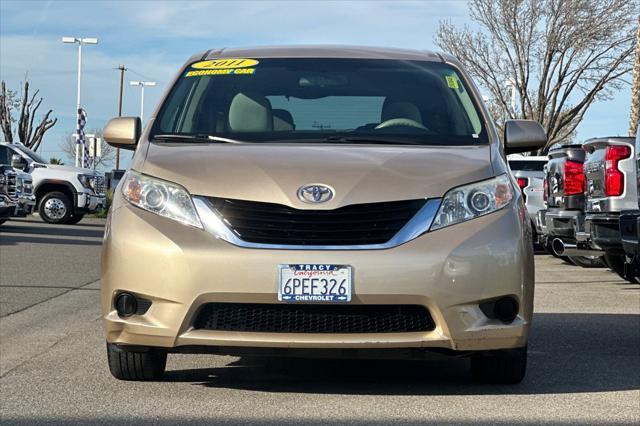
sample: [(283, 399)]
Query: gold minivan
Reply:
[(319, 202)]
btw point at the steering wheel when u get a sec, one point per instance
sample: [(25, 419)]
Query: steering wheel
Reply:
[(400, 122)]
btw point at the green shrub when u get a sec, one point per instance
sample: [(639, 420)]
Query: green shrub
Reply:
[(103, 212)]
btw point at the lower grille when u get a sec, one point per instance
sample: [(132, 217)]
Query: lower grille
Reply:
[(281, 318)]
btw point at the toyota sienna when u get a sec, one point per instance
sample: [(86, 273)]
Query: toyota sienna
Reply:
[(322, 202)]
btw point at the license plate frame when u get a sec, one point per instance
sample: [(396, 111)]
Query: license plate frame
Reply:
[(315, 283)]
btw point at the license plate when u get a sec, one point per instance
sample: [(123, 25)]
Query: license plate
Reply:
[(314, 283)]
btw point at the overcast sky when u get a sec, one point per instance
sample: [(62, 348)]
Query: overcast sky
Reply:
[(153, 38)]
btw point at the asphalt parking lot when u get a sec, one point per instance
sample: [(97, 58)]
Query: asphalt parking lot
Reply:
[(584, 358)]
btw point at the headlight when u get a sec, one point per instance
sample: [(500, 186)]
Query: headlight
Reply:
[(85, 180), (473, 200), (160, 197)]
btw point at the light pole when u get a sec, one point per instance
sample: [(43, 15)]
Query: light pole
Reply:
[(142, 85), (79, 41), (510, 84)]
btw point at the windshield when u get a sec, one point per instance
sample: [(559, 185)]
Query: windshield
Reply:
[(333, 100), (31, 154)]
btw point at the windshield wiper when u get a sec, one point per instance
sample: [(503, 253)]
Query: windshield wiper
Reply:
[(199, 138), (372, 139)]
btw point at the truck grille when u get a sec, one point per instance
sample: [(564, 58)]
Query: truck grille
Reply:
[(12, 184), (358, 224), (281, 318), (98, 185)]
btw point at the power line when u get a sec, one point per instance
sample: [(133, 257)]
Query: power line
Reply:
[(142, 75)]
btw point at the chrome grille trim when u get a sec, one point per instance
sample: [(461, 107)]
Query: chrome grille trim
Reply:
[(98, 183), (12, 184), (418, 225)]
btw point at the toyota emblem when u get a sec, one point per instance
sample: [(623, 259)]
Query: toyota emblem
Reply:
[(315, 193)]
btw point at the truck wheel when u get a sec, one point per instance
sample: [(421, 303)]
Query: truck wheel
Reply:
[(616, 263), (75, 218), (500, 367), (588, 262), (55, 207), (136, 366)]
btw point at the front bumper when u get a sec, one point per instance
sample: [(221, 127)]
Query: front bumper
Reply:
[(7, 207), (25, 205), (87, 203), (449, 271)]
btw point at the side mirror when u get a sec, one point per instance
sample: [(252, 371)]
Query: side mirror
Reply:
[(123, 132), (523, 136), (18, 162)]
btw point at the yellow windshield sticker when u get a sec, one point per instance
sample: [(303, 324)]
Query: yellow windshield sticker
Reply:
[(223, 64), (200, 73), (452, 81), (230, 66)]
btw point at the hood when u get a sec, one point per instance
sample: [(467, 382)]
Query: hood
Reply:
[(358, 174), (22, 175), (73, 169)]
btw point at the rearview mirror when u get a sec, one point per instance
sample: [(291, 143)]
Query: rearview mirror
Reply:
[(123, 132), (523, 136), (18, 162)]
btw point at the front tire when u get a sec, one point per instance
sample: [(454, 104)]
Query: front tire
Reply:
[(75, 218), (500, 367), (136, 366), (55, 207)]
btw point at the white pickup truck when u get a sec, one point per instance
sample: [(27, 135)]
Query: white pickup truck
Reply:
[(63, 193)]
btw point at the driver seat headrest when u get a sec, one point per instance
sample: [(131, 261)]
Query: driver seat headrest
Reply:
[(400, 109), (282, 120), (250, 112)]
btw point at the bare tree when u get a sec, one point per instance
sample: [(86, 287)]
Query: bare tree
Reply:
[(635, 88), (10, 103), (68, 146), (560, 55)]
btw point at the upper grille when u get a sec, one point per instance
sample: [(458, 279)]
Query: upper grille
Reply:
[(283, 318), (358, 224)]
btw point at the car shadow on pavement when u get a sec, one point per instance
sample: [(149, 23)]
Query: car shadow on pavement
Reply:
[(54, 230), (7, 240), (568, 353), (231, 421)]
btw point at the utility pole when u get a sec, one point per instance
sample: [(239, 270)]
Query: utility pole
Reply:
[(122, 70)]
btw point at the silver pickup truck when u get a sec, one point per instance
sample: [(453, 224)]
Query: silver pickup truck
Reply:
[(7, 195), (630, 225), (611, 187), (565, 214)]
